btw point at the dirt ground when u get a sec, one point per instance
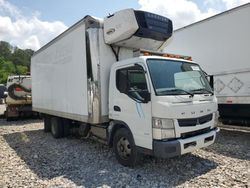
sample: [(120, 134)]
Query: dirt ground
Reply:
[(31, 158)]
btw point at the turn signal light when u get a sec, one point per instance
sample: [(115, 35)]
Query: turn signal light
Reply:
[(149, 53)]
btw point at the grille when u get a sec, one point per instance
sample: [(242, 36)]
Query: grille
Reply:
[(195, 121), (195, 133)]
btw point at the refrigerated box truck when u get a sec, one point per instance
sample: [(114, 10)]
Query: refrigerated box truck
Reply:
[(94, 77), (221, 45)]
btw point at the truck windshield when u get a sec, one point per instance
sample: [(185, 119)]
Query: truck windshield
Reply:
[(172, 77)]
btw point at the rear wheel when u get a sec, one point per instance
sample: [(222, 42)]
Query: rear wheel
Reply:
[(47, 124), (56, 127), (66, 123), (124, 148)]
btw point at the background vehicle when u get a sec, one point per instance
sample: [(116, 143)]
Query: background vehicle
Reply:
[(94, 77), (18, 101), (221, 45), (3, 89)]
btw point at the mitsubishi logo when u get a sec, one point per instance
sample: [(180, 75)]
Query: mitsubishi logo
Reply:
[(197, 122)]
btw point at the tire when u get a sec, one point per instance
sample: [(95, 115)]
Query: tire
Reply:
[(66, 127), (84, 129), (125, 148), (56, 127), (47, 124), (7, 116)]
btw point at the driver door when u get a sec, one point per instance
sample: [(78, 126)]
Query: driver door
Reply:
[(132, 103)]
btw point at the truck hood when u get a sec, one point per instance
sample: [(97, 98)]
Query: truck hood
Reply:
[(183, 106)]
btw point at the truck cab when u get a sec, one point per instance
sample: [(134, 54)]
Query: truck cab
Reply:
[(166, 103)]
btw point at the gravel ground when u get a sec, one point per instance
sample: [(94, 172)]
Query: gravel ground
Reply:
[(31, 158)]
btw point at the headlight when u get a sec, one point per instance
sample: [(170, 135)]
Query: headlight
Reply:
[(163, 128), (160, 123)]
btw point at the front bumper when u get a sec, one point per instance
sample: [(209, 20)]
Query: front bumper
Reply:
[(167, 149)]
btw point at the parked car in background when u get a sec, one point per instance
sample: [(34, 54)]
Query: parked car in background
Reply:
[(18, 101)]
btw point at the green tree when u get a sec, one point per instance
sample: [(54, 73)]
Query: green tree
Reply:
[(5, 50), (6, 68), (22, 69), (13, 60), (21, 57)]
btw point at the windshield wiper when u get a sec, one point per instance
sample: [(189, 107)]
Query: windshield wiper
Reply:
[(178, 89), (203, 89)]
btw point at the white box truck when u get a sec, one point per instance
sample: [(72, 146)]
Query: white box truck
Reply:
[(94, 77), (221, 45)]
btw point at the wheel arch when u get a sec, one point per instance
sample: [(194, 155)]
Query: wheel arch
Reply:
[(114, 126)]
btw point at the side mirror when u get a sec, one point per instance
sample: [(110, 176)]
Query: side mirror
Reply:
[(210, 79), (147, 96)]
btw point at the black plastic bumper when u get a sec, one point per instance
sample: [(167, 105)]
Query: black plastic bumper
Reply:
[(167, 149)]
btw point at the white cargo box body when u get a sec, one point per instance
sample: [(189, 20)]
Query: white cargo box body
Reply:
[(65, 82), (59, 76)]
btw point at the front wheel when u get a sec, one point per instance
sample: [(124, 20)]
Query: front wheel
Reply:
[(125, 148)]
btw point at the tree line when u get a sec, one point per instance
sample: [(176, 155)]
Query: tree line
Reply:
[(13, 61)]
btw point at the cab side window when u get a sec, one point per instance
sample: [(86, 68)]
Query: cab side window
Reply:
[(132, 82), (137, 80), (121, 80)]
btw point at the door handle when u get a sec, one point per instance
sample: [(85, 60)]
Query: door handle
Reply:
[(117, 108)]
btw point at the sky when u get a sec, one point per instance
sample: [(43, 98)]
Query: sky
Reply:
[(33, 23)]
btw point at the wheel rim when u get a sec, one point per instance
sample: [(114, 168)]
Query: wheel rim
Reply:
[(123, 148)]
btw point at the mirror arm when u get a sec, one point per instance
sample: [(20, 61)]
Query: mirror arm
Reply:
[(211, 81)]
